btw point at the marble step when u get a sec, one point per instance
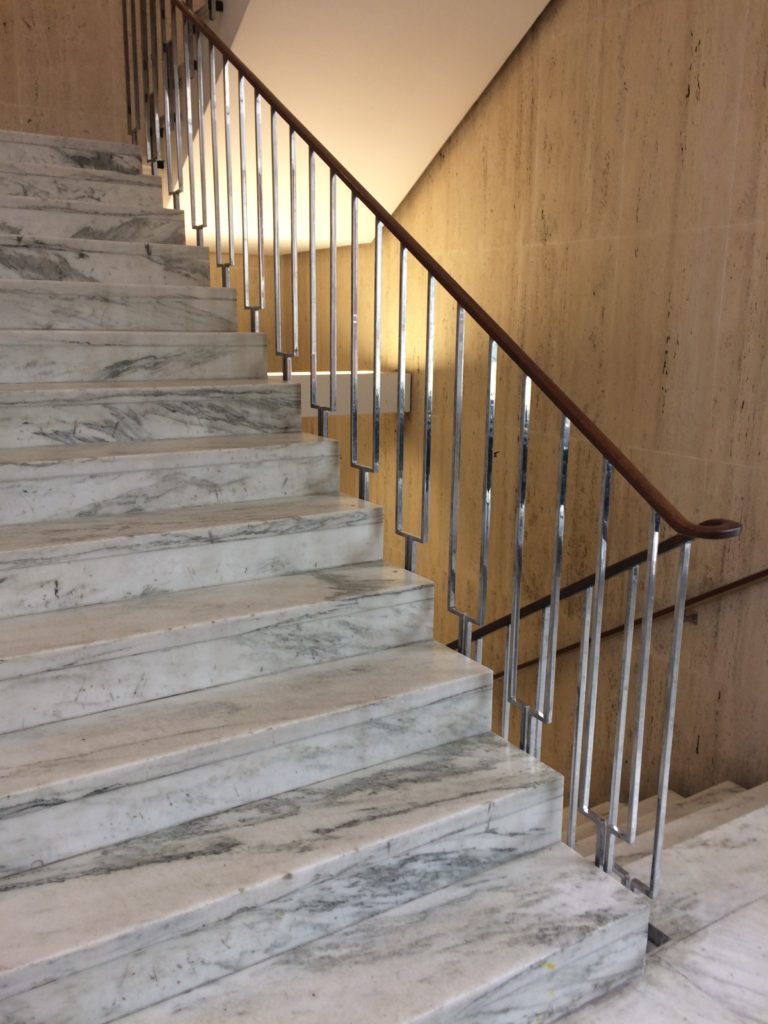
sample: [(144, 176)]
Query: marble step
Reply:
[(96, 559), (78, 785), (65, 481), (75, 662), (75, 218), (28, 258), (74, 305), (59, 356), (55, 151), (677, 807), (131, 191), (87, 413), (521, 942), (714, 809), (219, 894)]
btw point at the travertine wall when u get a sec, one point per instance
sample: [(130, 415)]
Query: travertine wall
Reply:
[(62, 70)]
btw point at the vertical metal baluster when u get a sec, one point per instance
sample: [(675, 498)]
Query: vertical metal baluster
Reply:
[(177, 98), (557, 566), (578, 721), (201, 141), (513, 633), (534, 722), (189, 111), (429, 377), (453, 535), (136, 59), (244, 197), (145, 84), (333, 305), (276, 251), (621, 723), (354, 355), (485, 528), (364, 470), (312, 286), (215, 156), (597, 625), (154, 81), (401, 364), (643, 672), (171, 175), (260, 211), (226, 269), (294, 247), (127, 61), (673, 673)]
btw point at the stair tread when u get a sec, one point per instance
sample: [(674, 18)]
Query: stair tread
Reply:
[(142, 741), (88, 206), (91, 288), (116, 387), (38, 138), (153, 182), (105, 245), (160, 614), (193, 524), (461, 947), (50, 911), (172, 447)]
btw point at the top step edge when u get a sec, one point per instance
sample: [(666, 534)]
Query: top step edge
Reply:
[(102, 145), (68, 171)]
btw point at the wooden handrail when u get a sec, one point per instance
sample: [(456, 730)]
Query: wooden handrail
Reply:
[(711, 529)]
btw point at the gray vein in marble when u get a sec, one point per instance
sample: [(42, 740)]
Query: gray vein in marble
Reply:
[(138, 191), (76, 219), (57, 151)]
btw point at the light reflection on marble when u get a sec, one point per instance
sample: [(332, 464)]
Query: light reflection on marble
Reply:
[(72, 305), (134, 191), (512, 944), (103, 479), (57, 355), (58, 565), (135, 773), (104, 262), (57, 151), (73, 219), (128, 411), (266, 877)]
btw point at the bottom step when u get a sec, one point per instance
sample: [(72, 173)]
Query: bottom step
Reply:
[(521, 943)]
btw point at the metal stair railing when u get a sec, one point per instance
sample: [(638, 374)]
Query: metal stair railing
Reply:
[(214, 129)]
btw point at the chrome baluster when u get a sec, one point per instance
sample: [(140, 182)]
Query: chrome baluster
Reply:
[(176, 85), (227, 268), (276, 251), (364, 470), (294, 247), (171, 175), (485, 529), (512, 650), (259, 211), (547, 709), (147, 118), (642, 683), (247, 303), (401, 363), (136, 60), (215, 161), (127, 61), (354, 338), (465, 626), (154, 82), (597, 625), (194, 221), (313, 290), (533, 739), (673, 673), (611, 831), (333, 326), (578, 720), (323, 410)]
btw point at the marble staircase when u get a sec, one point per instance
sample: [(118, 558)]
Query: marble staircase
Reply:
[(238, 777)]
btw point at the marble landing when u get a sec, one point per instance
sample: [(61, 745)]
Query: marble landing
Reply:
[(131, 191), (221, 893), (65, 664), (60, 356), (46, 414), (102, 262), (100, 559), (65, 481), (56, 151), (71, 305), (73, 218), (519, 943), (79, 785)]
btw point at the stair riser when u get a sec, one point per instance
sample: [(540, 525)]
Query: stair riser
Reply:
[(39, 309), (151, 483), (177, 562), (135, 192), (60, 356), (80, 681), (106, 264), (62, 222), (45, 419), (61, 154), (250, 927), (47, 832)]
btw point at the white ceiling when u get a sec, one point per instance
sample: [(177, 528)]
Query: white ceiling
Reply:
[(382, 84)]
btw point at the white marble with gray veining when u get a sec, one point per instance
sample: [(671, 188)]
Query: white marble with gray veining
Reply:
[(64, 481), (45, 414), (92, 560), (57, 355), (57, 151), (517, 943), (28, 258), (131, 191), (73, 218), (142, 768), (265, 877), (64, 664), (65, 305)]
